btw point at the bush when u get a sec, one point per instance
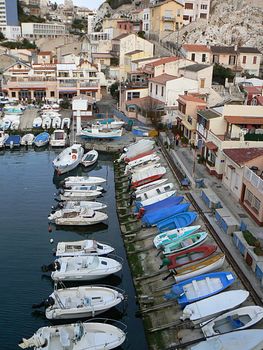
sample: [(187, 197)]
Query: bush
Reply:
[(64, 104), (250, 239)]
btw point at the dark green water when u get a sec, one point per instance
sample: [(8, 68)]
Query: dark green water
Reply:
[(27, 187)]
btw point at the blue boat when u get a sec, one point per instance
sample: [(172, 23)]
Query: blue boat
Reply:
[(13, 141), (152, 217), (200, 287), (173, 200), (177, 221), (41, 139)]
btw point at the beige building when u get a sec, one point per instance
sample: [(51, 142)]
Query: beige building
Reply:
[(201, 73), (197, 53)]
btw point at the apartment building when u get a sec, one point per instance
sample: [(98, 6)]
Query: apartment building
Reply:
[(195, 9), (42, 30), (9, 24)]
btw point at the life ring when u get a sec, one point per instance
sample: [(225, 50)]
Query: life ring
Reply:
[(74, 156)]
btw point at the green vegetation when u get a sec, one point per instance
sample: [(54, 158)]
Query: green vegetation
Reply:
[(79, 25), (114, 4), (250, 239), (64, 104), (253, 137), (114, 61), (23, 17), (141, 34), (220, 74), (114, 90), (24, 44), (2, 37)]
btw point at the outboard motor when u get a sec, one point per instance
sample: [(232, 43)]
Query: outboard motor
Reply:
[(51, 267), (45, 303)]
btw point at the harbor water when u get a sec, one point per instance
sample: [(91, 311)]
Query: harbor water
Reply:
[(27, 187)]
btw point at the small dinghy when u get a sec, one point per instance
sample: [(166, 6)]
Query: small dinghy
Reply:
[(154, 192), (82, 268), (37, 122), (83, 301), (82, 180), (214, 305), (76, 336), (188, 256), (68, 159), (144, 177), (56, 123), (85, 247), (143, 167), (149, 186), (58, 138), (233, 320), (177, 221), (27, 140), (165, 203), (79, 196), (170, 236), (41, 139), (156, 199), (82, 204), (46, 123), (141, 162), (90, 158), (200, 287), (13, 141), (3, 138), (82, 188), (15, 124), (82, 217), (184, 243), (6, 124), (204, 266), (65, 124), (251, 339)]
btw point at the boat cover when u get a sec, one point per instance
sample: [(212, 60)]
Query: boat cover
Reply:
[(173, 200), (177, 221)]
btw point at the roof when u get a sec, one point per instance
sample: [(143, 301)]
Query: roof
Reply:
[(253, 89), (133, 52), (223, 49), (46, 53), (121, 36), (249, 50), (196, 67), (163, 78), (164, 61), (147, 102), (211, 146), (101, 55), (246, 155), (196, 48), (192, 98), (208, 114), (244, 120), (144, 59), (167, 1)]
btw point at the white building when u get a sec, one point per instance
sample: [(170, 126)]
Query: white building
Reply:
[(195, 9), (91, 23), (11, 32), (146, 21), (9, 24), (42, 30)]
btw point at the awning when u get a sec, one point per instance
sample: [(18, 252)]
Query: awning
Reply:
[(211, 146), (244, 120), (231, 167)]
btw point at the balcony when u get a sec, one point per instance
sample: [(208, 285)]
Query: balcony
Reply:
[(168, 19), (68, 84), (255, 180), (89, 84)]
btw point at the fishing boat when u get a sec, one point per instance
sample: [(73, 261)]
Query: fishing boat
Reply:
[(58, 138), (46, 122), (76, 336), (27, 140), (82, 217), (201, 267), (144, 177), (184, 243), (96, 132), (56, 122), (177, 221), (110, 123), (149, 186), (82, 188), (127, 160), (3, 137), (82, 180), (251, 339), (200, 287), (79, 196), (81, 204), (82, 268), (85, 247), (13, 141), (154, 192), (214, 305), (168, 237), (156, 199), (82, 301), (68, 159), (65, 124), (140, 147), (90, 158), (188, 256), (41, 139), (233, 320), (154, 216), (37, 122)]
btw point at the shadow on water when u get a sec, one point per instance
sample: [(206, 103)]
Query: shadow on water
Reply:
[(84, 231)]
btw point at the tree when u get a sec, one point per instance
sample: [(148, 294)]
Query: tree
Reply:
[(220, 74), (114, 90), (79, 24), (2, 37), (141, 34)]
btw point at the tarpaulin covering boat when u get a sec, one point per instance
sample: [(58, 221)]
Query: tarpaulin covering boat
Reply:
[(176, 221)]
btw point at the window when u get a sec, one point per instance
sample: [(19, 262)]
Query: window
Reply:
[(215, 59), (168, 13), (129, 96), (257, 204), (189, 119), (248, 197), (52, 93), (193, 57), (188, 6), (101, 61), (151, 87), (178, 13), (244, 59), (136, 94), (232, 60), (203, 7), (202, 83), (162, 91), (185, 18), (13, 94), (156, 89), (255, 60), (203, 57)]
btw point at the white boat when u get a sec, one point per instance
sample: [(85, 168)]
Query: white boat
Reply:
[(90, 158), (46, 122), (149, 186), (144, 168), (85, 247), (37, 122), (140, 147), (82, 217), (241, 340), (50, 114), (83, 301), (82, 204), (55, 107), (150, 174), (46, 107), (58, 138), (76, 336), (65, 124), (233, 320), (95, 132), (214, 305), (155, 192), (68, 159), (115, 124), (15, 124), (157, 198), (6, 124), (83, 180), (150, 159), (27, 140), (82, 188), (3, 137), (82, 268), (56, 123), (75, 196)]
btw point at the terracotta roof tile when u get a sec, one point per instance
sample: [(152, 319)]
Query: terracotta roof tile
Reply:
[(244, 120), (192, 98), (196, 48), (241, 157), (163, 78), (164, 61)]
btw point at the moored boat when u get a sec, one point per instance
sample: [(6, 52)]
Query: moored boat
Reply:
[(65, 124), (177, 221), (138, 148), (154, 192), (13, 141), (3, 137), (156, 199), (58, 138), (68, 159), (141, 162), (46, 122), (144, 177), (90, 158), (41, 139), (37, 122), (149, 186), (82, 217), (85, 247), (82, 180), (81, 204), (79, 196), (27, 140), (82, 188), (96, 132), (56, 122)]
